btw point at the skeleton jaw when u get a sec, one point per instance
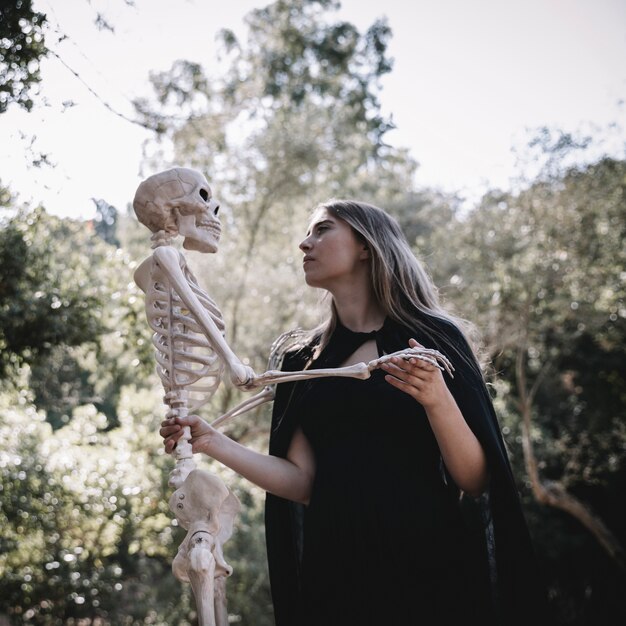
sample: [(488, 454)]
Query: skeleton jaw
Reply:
[(201, 232)]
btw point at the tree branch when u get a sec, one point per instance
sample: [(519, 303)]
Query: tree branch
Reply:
[(553, 493), (102, 101)]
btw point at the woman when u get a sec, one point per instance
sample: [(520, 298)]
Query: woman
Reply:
[(378, 490)]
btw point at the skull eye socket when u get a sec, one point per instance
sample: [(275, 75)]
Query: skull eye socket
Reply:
[(204, 194)]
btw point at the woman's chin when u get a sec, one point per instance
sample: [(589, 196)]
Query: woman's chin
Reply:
[(311, 282)]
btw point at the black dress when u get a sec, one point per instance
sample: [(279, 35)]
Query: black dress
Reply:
[(385, 539)]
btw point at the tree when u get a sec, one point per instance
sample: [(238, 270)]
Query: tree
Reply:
[(83, 483), (541, 271), (106, 221), (81, 526), (22, 46), (68, 310), (41, 306)]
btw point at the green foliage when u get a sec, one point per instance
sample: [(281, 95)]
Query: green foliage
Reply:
[(304, 58), (22, 46), (41, 304), (542, 273), (69, 309), (87, 532), (83, 511)]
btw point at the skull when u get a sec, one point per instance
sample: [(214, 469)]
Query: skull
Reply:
[(179, 201)]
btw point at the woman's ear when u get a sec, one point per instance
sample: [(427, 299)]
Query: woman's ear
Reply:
[(365, 253)]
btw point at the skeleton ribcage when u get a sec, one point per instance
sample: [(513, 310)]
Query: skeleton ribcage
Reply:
[(185, 358)]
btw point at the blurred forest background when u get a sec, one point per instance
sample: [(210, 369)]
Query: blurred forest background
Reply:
[(293, 119)]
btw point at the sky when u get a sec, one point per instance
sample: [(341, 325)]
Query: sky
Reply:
[(472, 79)]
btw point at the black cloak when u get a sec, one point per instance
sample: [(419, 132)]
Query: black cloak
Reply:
[(496, 520)]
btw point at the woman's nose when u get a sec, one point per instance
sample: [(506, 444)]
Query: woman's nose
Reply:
[(305, 245)]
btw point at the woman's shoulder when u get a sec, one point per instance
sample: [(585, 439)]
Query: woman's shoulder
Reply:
[(437, 329), (447, 336), (452, 331)]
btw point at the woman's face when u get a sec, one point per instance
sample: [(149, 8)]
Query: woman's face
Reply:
[(332, 252)]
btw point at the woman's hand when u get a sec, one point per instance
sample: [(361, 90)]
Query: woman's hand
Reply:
[(289, 478), (172, 430), (461, 451), (420, 379)]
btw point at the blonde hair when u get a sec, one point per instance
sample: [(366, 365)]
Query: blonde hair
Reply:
[(401, 284)]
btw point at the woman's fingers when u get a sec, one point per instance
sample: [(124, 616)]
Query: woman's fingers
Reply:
[(170, 423), (420, 365), (169, 445), (404, 375), (179, 422), (170, 432), (172, 429), (399, 384), (393, 367), (413, 367)]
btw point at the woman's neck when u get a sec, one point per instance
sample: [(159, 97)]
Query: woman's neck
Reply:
[(358, 309)]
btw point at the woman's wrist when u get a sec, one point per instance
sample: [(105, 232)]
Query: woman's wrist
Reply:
[(206, 442), (441, 405)]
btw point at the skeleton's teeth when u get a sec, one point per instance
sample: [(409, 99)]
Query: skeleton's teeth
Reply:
[(209, 227)]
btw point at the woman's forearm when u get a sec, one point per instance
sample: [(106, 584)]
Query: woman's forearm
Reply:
[(279, 476), (461, 451)]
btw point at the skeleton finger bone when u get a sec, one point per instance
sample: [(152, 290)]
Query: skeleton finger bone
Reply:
[(434, 357)]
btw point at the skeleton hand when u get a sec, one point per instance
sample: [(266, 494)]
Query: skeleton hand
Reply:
[(172, 430), (419, 378), (416, 351)]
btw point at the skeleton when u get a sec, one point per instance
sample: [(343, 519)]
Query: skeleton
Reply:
[(192, 357)]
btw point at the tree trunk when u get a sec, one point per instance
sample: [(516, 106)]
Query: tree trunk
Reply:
[(554, 493)]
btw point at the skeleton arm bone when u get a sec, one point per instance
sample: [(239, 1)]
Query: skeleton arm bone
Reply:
[(142, 275), (168, 260), (358, 370), (267, 395)]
